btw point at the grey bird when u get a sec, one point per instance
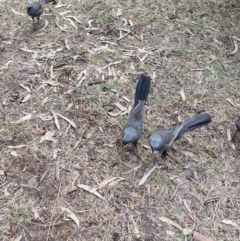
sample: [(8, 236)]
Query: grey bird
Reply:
[(132, 131), (163, 139), (49, 1), (237, 123), (34, 9)]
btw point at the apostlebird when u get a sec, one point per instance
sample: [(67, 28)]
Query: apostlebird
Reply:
[(49, 1), (163, 139), (34, 9), (237, 123), (132, 131)]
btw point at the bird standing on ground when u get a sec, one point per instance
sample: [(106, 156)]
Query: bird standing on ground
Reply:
[(132, 131), (34, 9), (237, 123), (163, 139), (49, 1)]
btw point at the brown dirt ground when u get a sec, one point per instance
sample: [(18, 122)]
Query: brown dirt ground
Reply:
[(182, 45)]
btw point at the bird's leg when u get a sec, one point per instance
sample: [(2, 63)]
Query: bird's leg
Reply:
[(38, 19), (164, 154), (34, 27), (134, 150), (234, 137)]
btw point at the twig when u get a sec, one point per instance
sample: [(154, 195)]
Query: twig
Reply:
[(174, 193)]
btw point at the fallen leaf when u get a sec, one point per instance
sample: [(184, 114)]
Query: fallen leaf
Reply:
[(64, 232), (231, 102), (186, 205), (89, 189), (105, 182), (131, 206), (72, 189), (120, 106), (134, 169), (136, 228), (26, 98), (35, 212), (229, 135), (71, 215), (57, 171), (230, 222), (13, 229), (48, 137), (235, 48), (14, 153), (200, 237), (114, 114), (50, 82), (169, 232), (56, 120), (183, 95), (145, 177), (17, 13), (25, 118), (25, 87), (16, 147), (169, 221), (68, 120)]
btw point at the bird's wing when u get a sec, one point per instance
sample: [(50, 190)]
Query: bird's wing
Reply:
[(137, 112), (173, 131)]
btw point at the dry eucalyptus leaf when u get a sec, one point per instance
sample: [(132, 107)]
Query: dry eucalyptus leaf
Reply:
[(235, 48), (231, 102), (56, 120), (230, 222), (89, 189), (120, 106), (200, 237), (145, 177), (229, 135), (17, 13), (57, 171), (106, 182), (25, 87), (183, 95), (169, 221), (26, 98), (68, 120), (48, 137), (114, 114), (51, 82), (13, 228), (71, 215), (14, 153), (170, 233), (35, 212), (25, 118), (134, 169), (137, 233), (16, 147)]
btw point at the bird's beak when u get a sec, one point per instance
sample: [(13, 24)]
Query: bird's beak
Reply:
[(124, 142)]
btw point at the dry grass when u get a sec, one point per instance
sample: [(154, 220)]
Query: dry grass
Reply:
[(182, 45)]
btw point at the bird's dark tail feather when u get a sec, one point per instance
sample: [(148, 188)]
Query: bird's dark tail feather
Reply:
[(142, 90), (197, 121)]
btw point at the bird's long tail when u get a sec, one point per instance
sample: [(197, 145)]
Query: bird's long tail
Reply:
[(197, 121), (193, 123), (142, 89)]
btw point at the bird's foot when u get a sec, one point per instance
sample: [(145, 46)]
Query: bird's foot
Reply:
[(164, 155), (134, 152)]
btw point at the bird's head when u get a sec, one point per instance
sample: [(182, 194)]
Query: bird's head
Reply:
[(129, 136), (28, 6), (155, 142)]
